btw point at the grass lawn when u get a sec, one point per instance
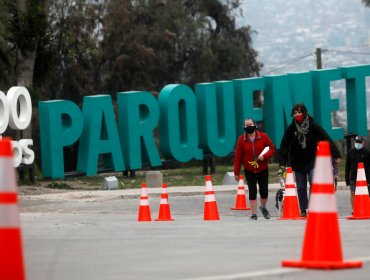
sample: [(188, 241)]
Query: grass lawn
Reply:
[(185, 176)]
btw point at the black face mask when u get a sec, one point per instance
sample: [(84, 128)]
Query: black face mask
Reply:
[(250, 129)]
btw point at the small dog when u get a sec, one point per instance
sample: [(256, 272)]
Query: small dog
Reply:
[(280, 193), (280, 201)]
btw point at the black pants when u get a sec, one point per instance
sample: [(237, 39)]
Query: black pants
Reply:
[(262, 179)]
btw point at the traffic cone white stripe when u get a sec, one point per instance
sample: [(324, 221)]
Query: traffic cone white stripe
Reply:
[(9, 216), (7, 175), (322, 175), (290, 192), (361, 191), (361, 175), (322, 203), (144, 192), (164, 201), (289, 181), (144, 202), (241, 191), (209, 186), (209, 198)]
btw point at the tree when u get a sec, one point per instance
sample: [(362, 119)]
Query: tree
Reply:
[(226, 51), (23, 25), (149, 44), (5, 68), (366, 3), (68, 54)]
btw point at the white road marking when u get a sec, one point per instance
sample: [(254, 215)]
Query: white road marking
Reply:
[(246, 275), (276, 271)]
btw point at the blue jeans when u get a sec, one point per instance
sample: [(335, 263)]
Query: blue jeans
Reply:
[(301, 181)]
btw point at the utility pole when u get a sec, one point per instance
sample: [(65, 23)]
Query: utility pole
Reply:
[(318, 58)]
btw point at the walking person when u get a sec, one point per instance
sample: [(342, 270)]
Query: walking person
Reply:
[(357, 154), (298, 150), (253, 149)]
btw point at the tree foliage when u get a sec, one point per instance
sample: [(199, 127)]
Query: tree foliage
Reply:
[(150, 44), (22, 25), (68, 54), (86, 47)]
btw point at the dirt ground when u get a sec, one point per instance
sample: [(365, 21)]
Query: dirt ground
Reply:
[(36, 190), (43, 187)]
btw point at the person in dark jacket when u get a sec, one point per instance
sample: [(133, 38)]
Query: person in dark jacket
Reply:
[(253, 149), (298, 150), (354, 156)]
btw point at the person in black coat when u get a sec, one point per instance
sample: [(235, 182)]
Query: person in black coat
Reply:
[(354, 156), (298, 150)]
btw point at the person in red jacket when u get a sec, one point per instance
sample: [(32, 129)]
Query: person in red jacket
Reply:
[(253, 149)]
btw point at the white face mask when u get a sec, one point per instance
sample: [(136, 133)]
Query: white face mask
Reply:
[(358, 146)]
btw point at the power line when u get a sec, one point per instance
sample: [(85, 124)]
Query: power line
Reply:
[(289, 62), (348, 52), (294, 60), (345, 51)]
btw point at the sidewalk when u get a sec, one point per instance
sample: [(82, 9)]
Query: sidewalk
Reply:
[(101, 195)]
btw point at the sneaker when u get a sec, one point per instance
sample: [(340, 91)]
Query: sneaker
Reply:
[(253, 217), (303, 213), (265, 212)]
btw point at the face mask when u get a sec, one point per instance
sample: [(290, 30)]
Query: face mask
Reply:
[(250, 129), (358, 146), (299, 118)]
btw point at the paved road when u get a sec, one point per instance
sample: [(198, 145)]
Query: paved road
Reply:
[(95, 235)]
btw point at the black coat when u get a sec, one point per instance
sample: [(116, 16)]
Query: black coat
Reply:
[(302, 160), (353, 158)]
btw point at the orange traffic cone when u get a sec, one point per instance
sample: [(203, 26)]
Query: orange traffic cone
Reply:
[(210, 204), (241, 201), (11, 253), (361, 204), (322, 245), (144, 209), (290, 208), (164, 208)]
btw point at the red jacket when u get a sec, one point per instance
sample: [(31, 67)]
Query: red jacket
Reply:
[(247, 151)]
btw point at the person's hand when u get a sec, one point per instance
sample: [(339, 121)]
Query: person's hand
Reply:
[(237, 177), (260, 158), (337, 160)]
